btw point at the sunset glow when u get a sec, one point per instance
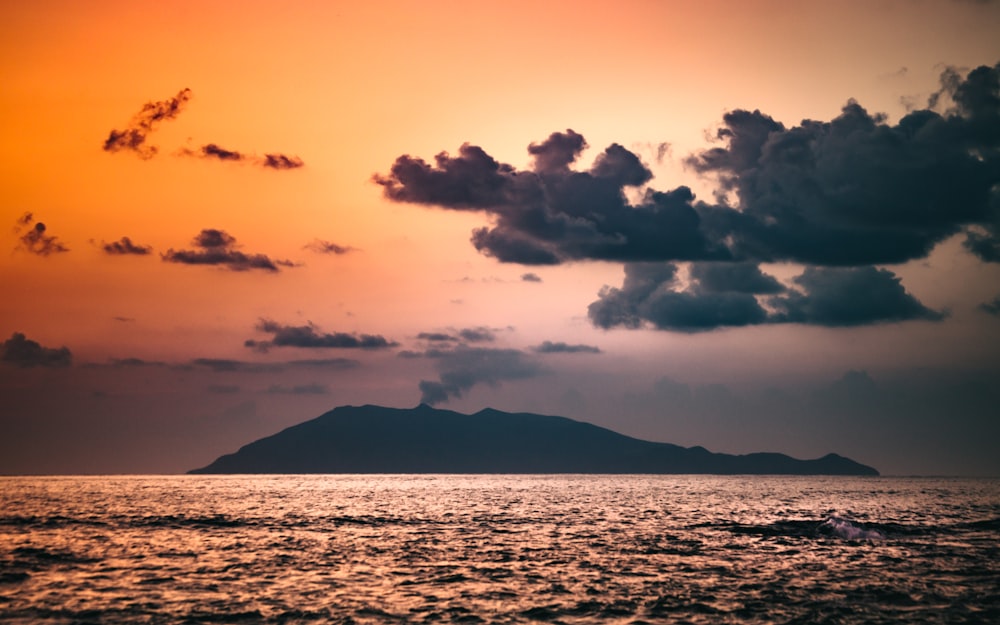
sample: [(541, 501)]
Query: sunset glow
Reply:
[(236, 216)]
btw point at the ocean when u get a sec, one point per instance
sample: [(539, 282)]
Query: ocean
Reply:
[(498, 549)]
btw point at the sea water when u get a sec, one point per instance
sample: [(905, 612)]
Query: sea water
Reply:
[(498, 549)]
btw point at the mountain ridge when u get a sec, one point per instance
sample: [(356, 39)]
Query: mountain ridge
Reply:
[(376, 439)]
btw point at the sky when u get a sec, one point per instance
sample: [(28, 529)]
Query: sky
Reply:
[(755, 226)]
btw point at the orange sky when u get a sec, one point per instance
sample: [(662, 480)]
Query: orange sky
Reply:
[(349, 87)]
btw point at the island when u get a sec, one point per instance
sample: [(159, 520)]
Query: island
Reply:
[(374, 439)]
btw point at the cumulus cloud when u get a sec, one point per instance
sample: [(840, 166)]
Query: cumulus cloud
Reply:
[(125, 247), (325, 247), (33, 237), (552, 213), (549, 347), (133, 137), (21, 351), (218, 247), (309, 336), (652, 295), (849, 296), (462, 368), (849, 193)]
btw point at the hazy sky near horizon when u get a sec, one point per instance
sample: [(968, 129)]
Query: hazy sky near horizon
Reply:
[(756, 226)]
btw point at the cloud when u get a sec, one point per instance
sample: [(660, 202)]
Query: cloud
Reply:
[(552, 213), (992, 307), (128, 363), (462, 368), (33, 238), (852, 191), (849, 297), (308, 336), (133, 137), (530, 277), (436, 337), (21, 351), (325, 247), (548, 347), (302, 389), (218, 247), (653, 295), (225, 365), (477, 335), (124, 247), (214, 151), (849, 193), (281, 161)]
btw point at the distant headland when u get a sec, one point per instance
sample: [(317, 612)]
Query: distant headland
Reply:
[(374, 439)]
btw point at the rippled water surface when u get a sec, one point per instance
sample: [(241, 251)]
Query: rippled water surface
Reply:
[(498, 549)]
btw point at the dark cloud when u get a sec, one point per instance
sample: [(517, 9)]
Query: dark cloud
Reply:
[(34, 239), (552, 213), (301, 389), (735, 277), (857, 190), (225, 365), (128, 363), (124, 247), (133, 137), (464, 367), (530, 277), (280, 161), (437, 337), (834, 296), (548, 347), (308, 336), (21, 351), (652, 295), (477, 335), (852, 192), (214, 151), (992, 307), (325, 247), (218, 248)]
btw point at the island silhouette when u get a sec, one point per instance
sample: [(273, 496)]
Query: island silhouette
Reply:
[(374, 439)]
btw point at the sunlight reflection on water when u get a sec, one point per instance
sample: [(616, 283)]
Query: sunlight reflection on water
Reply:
[(498, 549)]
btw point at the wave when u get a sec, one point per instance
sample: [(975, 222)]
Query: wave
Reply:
[(831, 527), (848, 530)]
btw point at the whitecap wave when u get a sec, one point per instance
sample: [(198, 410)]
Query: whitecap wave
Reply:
[(848, 530)]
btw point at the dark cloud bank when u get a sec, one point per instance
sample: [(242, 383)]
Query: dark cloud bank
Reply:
[(837, 197)]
